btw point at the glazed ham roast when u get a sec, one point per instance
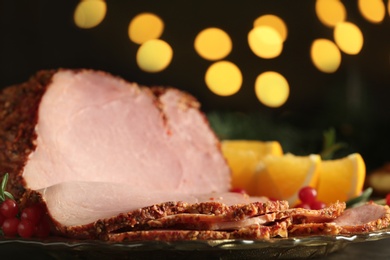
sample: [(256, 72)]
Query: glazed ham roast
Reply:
[(116, 161)]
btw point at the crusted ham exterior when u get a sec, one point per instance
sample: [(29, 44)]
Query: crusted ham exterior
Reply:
[(116, 161), (85, 127), (104, 155)]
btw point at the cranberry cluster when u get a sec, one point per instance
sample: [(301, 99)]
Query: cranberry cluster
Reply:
[(308, 198), (31, 222)]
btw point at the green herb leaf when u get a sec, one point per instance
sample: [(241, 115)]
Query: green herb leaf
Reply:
[(4, 182), (2, 188), (330, 146), (9, 195), (364, 197)]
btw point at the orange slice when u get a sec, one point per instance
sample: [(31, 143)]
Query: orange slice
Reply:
[(281, 177), (341, 179), (243, 157)]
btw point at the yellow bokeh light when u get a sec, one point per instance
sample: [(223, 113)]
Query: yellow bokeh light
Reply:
[(372, 10), (272, 21), (348, 37), (325, 55), (330, 12), (272, 89), (89, 14), (265, 42), (145, 27), (223, 78), (388, 6), (213, 44), (154, 55)]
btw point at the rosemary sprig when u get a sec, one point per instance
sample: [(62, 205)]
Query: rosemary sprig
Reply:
[(330, 146), (3, 193)]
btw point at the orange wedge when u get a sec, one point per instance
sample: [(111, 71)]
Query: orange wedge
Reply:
[(243, 157), (341, 179), (281, 177)]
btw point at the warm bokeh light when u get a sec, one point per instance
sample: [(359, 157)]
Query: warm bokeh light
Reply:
[(265, 42), (372, 10), (154, 55), (213, 44), (145, 27), (223, 78), (89, 14), (388, 6), (348, 37), (272, 89), (330, 12), (272, 21), (325, 55)]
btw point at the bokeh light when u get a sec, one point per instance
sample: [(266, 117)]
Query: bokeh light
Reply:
[(89, 13), (372, 10), (325, 55), (272, 89), (272, 21), (265, 42), (213, 44), (388, 6), (154, 55), (223, 78), (145, 27), (330, 12), (348, 37)]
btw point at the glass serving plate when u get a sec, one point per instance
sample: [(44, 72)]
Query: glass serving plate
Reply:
[(277, 248)]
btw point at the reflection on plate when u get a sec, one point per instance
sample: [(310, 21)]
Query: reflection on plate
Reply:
[(303, 247)]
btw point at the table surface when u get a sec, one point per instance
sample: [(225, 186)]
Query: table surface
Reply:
[(372, 250)]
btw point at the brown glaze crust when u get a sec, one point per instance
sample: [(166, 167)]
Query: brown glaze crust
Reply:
[(18, 116), (138, 219), (277, 229)]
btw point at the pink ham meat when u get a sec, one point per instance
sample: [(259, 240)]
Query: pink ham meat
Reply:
[(97, 128)]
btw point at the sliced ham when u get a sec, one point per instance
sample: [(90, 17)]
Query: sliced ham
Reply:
[(103, 154), (213, 222), (277, 229), (327, 214), (79, 203), (116, 161), (365, 218), (368, 217), (81, 138)]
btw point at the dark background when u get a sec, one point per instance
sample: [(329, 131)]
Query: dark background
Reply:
[(355, 100)]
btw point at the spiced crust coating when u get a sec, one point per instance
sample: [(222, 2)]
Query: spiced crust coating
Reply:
[(300, 215), (139, 218), (277, 229), (18, 116)]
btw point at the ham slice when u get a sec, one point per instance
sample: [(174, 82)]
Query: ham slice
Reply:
[(368, 217), (277, 229), (365, 218), (79, 203)]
